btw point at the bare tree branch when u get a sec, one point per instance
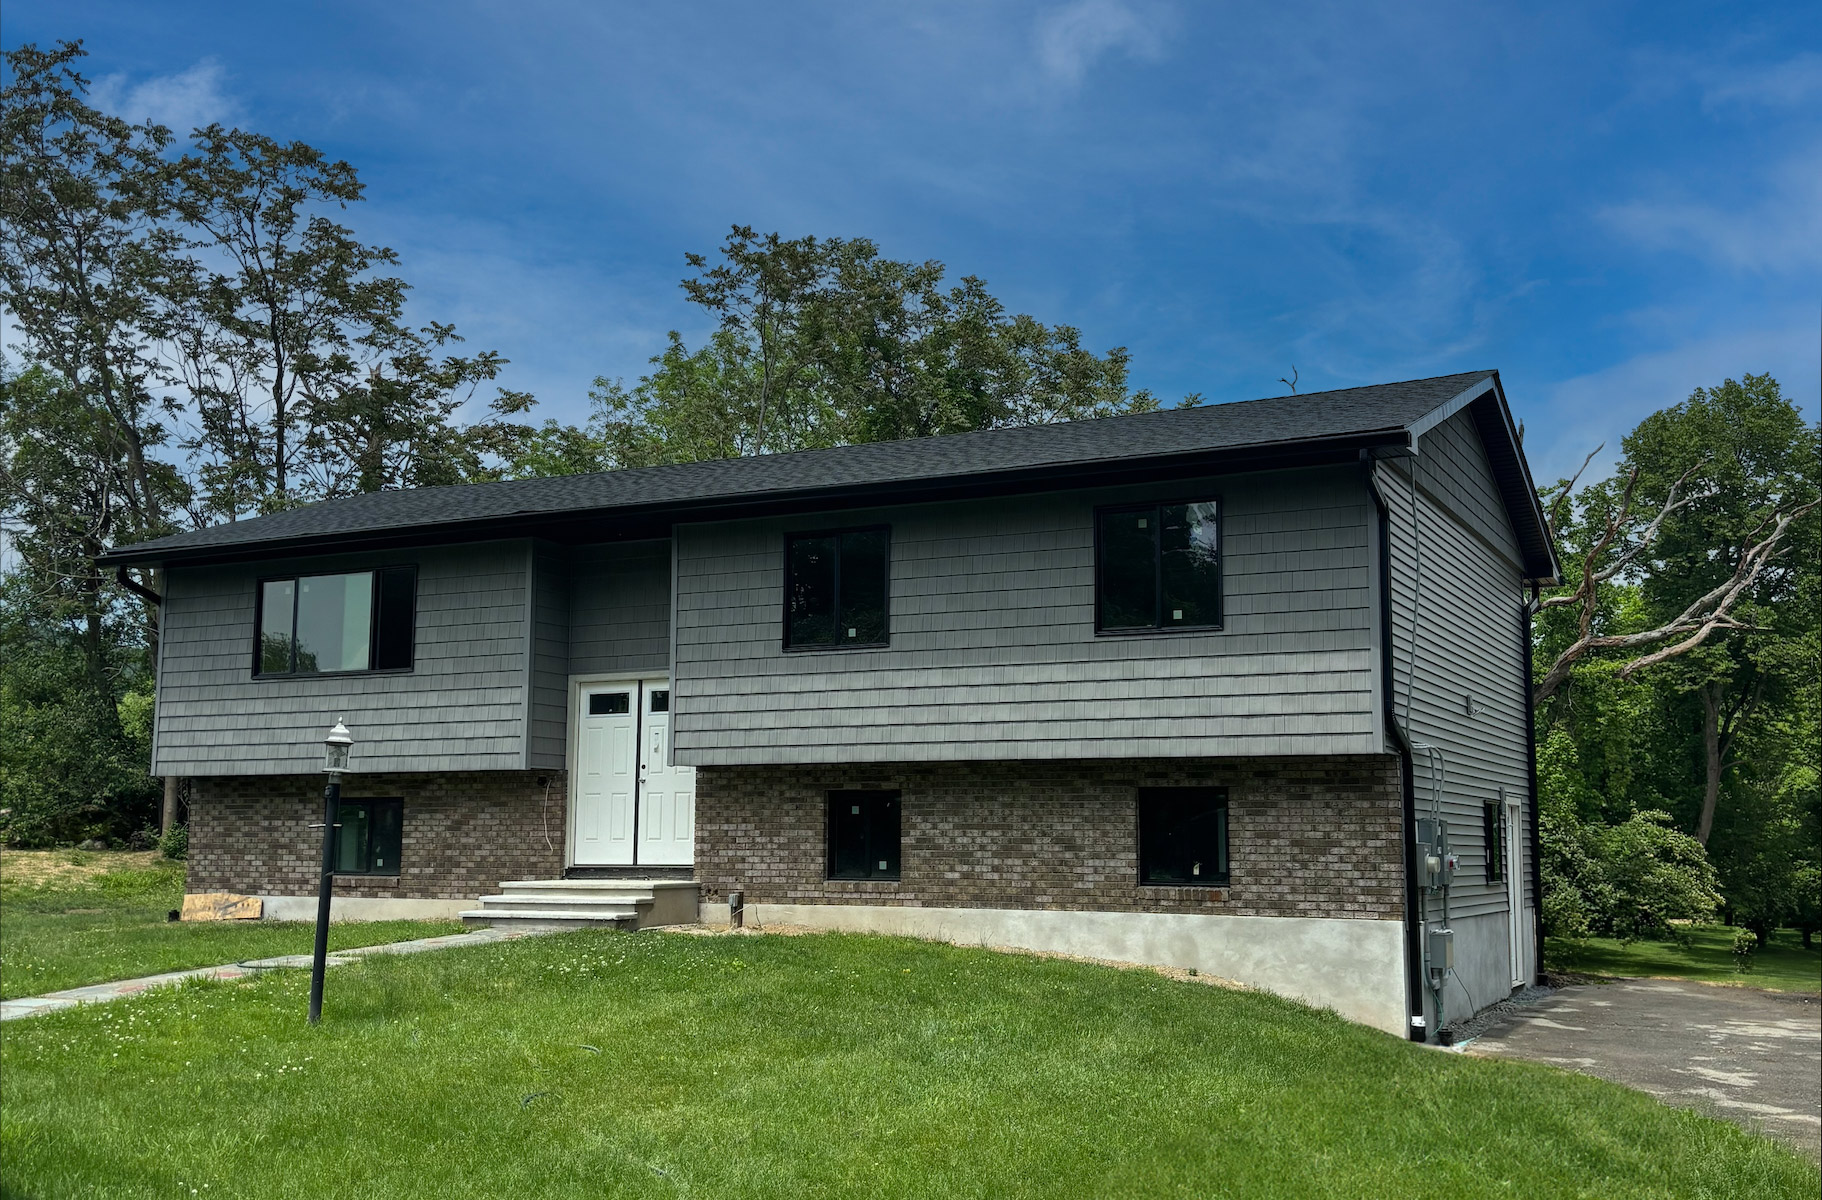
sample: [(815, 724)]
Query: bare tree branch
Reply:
[(1707, 614)]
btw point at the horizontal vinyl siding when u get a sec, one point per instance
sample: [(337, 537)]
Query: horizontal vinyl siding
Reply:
[(549, 659), (993, 653), (461, 708), (1468, 639), (620, 609)]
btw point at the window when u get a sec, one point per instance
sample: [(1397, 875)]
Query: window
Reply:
[(1493, 833), (368, 835), (313, 624), (1183, 836), (661, 700), (863, 835), (1158, 566), (609, 704), (835, 589)]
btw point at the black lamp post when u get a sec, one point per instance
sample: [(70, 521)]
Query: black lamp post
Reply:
[(335, 761)]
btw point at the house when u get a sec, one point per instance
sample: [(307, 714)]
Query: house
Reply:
[(1242, 688)]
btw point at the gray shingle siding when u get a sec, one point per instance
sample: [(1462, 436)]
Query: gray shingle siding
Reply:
[(462, 707), (1468, 646), (544, 744), (994, 654), (620, 609)]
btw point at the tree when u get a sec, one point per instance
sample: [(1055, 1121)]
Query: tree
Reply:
[(303, 377), (75, 678), (81, 258), (396, 426), (1616, 541), (1741, 536), (267, 311), (1676, 671), (824, 342), (210, 295)]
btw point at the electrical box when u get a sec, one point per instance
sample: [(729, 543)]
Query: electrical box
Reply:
[(1435, 861), (1442, 951)]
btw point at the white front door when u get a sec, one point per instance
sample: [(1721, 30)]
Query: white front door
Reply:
[(667, 794), (629, 806), (1515, 896)]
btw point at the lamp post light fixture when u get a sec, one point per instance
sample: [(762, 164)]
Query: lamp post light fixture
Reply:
[(335, 761)]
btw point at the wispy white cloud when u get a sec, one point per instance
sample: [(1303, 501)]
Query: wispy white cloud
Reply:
[(1071, 39), (1780, 230), (1783, 84), (187, 100), (1572, 416)]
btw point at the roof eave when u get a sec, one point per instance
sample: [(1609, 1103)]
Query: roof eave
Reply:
[(1226, 460)]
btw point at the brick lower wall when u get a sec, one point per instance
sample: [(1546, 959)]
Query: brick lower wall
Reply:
[(464, 833), (1307, 837)]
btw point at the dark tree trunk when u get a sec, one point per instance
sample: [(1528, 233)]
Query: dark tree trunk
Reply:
[(1711, 759)]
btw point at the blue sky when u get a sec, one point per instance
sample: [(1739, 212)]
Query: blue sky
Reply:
[(1611, 203)]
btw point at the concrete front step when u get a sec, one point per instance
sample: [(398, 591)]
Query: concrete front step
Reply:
[(554, 918), (588, 903)]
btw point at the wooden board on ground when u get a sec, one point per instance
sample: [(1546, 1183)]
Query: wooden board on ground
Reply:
[(220, 906)]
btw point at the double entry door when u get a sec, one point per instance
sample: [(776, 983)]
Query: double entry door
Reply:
[(628, 805)]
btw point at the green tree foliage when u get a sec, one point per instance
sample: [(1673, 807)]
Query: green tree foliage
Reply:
[(200, 340), (82, 251), (305, 380), (824, 342), (74, 730), (1715, 726)]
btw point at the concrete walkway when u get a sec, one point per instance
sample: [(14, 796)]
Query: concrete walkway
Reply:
[(1743, 1055), (98, 993)]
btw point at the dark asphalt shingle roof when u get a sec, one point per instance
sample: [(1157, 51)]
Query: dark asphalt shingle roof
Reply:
[(1279, 421)]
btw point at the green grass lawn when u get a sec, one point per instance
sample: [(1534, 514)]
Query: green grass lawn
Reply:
[(104, 918), (653, 1064), (1783, 965)]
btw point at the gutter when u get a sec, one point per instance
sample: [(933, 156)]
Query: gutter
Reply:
[(137, 588), (1413, 924)]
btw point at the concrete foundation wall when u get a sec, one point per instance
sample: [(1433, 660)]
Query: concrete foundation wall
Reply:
[(1353, 967), (362, 908), (1483, 965)]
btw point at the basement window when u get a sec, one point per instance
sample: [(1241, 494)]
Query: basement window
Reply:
[(1493, 833), (1158, 566), (333, 624), (368, 835), (863, 835), (835, 587), (1183, 836)]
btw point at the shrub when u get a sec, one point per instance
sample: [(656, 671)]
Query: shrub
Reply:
[(1745, 945), (1629, 881), (175, 844)]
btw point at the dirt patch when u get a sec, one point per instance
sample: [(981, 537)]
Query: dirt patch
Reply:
[(46, 868)]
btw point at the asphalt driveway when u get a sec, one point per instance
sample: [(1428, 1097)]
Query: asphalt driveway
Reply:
[(1746, 1056)]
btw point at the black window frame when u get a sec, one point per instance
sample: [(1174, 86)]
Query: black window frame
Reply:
[(1158, 626), (1219, 794), (370, 803), (373, 622), (1493, 834), (886, 591), (848, 796)]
